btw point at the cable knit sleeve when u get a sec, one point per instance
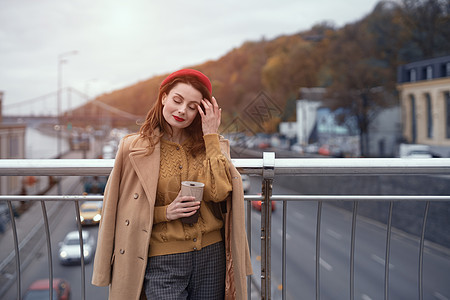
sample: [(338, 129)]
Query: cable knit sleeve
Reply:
[(216, 175), (160, 214)]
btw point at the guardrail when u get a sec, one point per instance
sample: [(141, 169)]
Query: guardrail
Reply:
[(268, 167)]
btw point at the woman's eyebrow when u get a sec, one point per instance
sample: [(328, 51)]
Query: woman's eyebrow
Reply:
[(193, 101), (179, 95)]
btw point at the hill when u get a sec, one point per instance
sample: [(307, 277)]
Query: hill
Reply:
[(348, 61)]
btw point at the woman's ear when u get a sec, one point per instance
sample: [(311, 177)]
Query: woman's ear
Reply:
[(163, 99)]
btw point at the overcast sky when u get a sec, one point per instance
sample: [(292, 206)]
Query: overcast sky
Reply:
[(122, 42)]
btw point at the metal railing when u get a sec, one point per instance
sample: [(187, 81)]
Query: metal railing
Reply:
[(268, 167)]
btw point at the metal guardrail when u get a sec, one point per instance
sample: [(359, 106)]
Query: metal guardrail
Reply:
[(268, 167)]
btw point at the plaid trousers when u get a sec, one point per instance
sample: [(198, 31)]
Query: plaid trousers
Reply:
[(192, 275)]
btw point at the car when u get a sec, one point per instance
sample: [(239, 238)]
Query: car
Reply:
[(245, 183), (94, 185), (90, 213), (257, 205), (297, 148), (39, 290), (419, 154), (108, 152), (69, 249)]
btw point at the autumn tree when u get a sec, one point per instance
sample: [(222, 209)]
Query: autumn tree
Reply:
[(362, 79), (427, 25)]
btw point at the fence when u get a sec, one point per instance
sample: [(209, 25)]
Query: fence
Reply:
[(268, 168)]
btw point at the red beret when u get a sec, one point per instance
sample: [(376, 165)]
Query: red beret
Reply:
[(188, 72)]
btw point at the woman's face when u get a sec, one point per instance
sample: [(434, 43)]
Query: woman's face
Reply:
[(180, 105)]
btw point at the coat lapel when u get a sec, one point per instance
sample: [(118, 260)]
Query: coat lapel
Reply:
[(146, 166)]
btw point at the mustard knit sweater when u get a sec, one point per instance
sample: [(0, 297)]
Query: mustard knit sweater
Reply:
[(177, 164)]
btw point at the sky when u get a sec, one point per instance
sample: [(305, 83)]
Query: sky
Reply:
[(120, 43)]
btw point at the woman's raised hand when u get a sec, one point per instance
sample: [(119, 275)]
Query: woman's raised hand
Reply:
[(211, 117), (182, 206)]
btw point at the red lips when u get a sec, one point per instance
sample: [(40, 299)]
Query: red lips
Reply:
[(178, 119)]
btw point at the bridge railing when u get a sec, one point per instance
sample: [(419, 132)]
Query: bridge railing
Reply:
[(268, 168)]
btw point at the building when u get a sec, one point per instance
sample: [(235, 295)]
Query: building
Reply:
[(307, 106), (385, 133), (316, 123), (424, 88), (12, 145)]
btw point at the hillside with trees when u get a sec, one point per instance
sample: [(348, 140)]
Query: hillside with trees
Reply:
[(356, 63)]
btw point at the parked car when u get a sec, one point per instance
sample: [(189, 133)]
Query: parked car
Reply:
[(39, 290), (69, 249), (245, 183), (419, 154), (108, 152), (91, 213)]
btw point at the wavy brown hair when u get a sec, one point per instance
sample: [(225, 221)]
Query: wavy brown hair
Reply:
[(155, 119)]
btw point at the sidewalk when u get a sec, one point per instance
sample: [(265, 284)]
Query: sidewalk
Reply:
[(27, 225)]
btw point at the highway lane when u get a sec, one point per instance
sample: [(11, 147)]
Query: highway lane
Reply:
[(335, 255), (301, 226), (64, 222)]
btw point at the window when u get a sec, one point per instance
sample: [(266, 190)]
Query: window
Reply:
[(13, 147), (447, 119), (429, 116), (412, 75), (429, 72), (413, 119), (445, 70)]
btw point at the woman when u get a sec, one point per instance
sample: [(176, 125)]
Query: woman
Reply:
[(143, 249)]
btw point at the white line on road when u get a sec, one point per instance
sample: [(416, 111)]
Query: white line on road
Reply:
[(299, 215), (326, 265), (334, 234), (365, 297), (381, 261), (288, 236), (439, 296)]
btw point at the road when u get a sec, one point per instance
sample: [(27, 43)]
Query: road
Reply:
[(62, 223), (301, 227), (335, 255)]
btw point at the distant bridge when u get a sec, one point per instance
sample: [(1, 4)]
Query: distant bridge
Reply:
[(42, 110)]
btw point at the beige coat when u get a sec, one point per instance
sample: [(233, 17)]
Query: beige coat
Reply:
[(127, 219)]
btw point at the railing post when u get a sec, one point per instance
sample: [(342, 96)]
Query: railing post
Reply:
[(266, 215)]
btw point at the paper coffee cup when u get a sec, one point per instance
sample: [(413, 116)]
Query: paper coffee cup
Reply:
[(194, 189)]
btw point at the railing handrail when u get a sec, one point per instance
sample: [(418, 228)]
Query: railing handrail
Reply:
[(268, 167), (253, 166), (323, 198)]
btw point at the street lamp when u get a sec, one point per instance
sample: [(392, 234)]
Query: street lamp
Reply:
[(61, 61)]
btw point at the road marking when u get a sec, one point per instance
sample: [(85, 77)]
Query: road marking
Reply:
[(326, 265), (299, 215), (439, 296), (365, 297), (288, 236), (334, 234), (381, 261)]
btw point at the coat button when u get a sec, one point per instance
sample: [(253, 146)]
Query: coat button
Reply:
[(127, 222), (195, 240), (122, 251), (181, 167), (178, 148), (136, 195), (195, 248)]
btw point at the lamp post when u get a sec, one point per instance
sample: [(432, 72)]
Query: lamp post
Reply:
[(61, 61)]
